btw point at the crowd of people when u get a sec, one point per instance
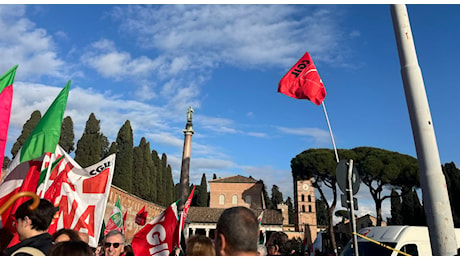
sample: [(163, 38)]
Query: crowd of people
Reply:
[(237, 234)]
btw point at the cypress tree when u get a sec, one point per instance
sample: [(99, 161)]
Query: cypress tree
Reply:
[(113, 148), (322, 215), (291, 210), (277, 196), (214, 176), (27, 129), (267, 200), (6, 162), (169, 185), (156, 177), (89, 146), (66, 140), (138, 178), (396, 217), (202, 199), (452, 175), (123, 174), (147, 169)]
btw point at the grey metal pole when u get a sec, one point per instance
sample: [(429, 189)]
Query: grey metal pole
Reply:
[(352, 206), (434, 190)]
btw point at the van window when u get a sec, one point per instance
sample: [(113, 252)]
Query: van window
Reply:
[(411, 249), (368, 249)]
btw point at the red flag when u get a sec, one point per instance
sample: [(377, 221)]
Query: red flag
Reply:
[(141, 217), (186, 207), (302, 81), (157, 237), (6, 99)]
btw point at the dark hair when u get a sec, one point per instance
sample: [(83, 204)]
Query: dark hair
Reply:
[(128, 251), (72, 234), (114, 233), (240, 228), (41, 217), (200, 245), (281, 240), (71, 248)]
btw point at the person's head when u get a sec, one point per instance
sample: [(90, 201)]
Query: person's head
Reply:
[(114, 243), (30, 223), (277, 244), (71, 248), (65, 234), (237, 232), (129, 250), (200, 245), (84, 237)]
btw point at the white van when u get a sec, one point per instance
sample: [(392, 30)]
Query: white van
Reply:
[(408, 239)]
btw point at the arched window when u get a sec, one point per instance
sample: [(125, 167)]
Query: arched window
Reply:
[(248, 199), (303, 208), (234, 200), (309, 208), (309, 198), (222, 199), (303, 197)]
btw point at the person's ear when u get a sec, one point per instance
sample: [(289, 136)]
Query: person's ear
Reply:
[(277, 248), (222, 244)]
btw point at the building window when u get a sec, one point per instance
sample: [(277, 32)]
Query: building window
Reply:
[(234, 200), (303, 208), (309, 198), (309, 208), (222, 199), (248, 199), (303, 197)]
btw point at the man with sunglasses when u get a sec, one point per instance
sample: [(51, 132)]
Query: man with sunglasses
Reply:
[(114, 243), (32, 229)]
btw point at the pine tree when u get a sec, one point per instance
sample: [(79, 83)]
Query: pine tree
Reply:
[(27, 129), (123, 174), (66, 140), (396, 217), (202, 200), (277, 196), (89, 146)]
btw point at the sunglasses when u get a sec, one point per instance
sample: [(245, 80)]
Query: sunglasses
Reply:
[(115, 245)]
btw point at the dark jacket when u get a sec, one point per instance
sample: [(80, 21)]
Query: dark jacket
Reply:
[(41, 242)]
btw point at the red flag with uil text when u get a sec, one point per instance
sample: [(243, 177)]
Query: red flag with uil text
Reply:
[(157, 237), (302, 81)]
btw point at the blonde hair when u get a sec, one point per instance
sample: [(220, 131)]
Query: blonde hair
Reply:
[(200, 245)]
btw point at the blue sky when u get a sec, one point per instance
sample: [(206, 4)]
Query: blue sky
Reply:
[(147, 64)]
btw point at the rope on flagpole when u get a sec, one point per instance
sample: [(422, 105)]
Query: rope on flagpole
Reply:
[(330, 132)]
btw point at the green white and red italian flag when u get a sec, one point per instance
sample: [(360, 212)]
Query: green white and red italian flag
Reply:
[(115, 221), (6, 99), (24, 171)]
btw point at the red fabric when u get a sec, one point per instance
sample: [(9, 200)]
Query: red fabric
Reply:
[(157, 237), (141, 217), (124, 222), (302, 81), (6, 98)]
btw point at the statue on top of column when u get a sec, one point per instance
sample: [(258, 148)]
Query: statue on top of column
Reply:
[(189, 114)]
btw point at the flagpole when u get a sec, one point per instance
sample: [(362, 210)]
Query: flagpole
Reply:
[(48, 172), (330, 132)]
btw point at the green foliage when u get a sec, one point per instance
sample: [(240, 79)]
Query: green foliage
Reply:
[(123, 173), (142, 168), (6, 162), (342, 213), (291, 210), (413, 213), (452, 175), (89, 146), (322, 215), (267, 200), (66, 140), (396, 217), (202, 194), (277, 196), (27, 129)]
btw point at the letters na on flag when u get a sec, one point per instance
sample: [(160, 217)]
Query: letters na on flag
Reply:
[(302, 81), (80, 193), (157, 237)]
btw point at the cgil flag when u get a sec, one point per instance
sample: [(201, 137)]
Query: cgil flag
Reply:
[(81, 194), (115, 221), (141, 216), (23, 172), (6, 99), (157, 237), (302, 81), (183, 217)]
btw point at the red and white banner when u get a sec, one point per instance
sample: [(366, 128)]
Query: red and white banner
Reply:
[(81, 194), (157, 237)]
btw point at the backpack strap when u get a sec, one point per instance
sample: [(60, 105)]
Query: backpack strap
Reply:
[(28, 250)]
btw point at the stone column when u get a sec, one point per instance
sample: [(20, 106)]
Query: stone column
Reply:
[(185, 169)]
